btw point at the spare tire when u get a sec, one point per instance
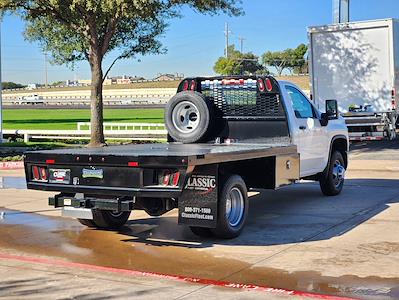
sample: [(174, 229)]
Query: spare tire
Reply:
[(189, 117)]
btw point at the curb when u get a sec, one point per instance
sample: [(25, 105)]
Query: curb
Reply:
[(11, 165), (211, 282)]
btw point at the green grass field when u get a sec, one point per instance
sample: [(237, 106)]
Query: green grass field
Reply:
[(52, 119), (137, 85)]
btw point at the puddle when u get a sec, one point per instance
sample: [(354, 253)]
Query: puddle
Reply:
[(12, 183), (139, 246)]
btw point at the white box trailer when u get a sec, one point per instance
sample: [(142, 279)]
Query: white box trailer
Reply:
[(357, 64)]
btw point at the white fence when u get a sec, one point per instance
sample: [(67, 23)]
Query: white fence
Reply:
[(113, 131), (124, 126)]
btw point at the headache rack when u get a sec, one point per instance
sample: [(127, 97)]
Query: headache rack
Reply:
[(255, 97)]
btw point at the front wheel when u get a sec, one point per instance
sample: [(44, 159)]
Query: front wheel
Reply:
[(333, 178), (106, 219), (232, 208)]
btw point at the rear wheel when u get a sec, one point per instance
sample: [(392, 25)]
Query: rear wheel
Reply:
[(107, 219), (232, 208), (333, 178)]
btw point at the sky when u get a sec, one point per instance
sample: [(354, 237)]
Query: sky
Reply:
[(195, 41)]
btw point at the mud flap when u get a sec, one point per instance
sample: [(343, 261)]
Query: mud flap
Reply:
[(198, 203)]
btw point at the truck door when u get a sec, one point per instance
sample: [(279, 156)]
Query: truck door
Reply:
[(308, 134)]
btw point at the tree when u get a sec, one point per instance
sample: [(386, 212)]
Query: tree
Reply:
[(75, 30), (300, 61), (280, 60), (237, 63), (292, 59), (58, 83), (11, 85)]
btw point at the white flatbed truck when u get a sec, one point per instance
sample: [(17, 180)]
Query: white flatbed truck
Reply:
[(226, 135)]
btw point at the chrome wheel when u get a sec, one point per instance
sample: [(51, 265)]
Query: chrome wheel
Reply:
[(185, 117), (234, 207), (338, 173)]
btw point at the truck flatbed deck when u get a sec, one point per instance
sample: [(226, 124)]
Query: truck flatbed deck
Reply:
[(192, 154)]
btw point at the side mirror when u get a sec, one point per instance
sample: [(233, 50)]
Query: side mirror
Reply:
[(332, 109), (331, 112)]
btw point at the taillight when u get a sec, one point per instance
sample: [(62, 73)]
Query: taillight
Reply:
[(175, 179), (166, 178), (261, 85), (133, 164), (39, 173), (43, 174), (185, 85), (269, 86), (35, 172), (193, 85), (169, 178), (393, 102)]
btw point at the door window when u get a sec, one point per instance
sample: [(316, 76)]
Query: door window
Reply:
[(301, 105)]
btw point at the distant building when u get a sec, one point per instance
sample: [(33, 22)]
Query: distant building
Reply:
[(126, 79), (32, 86), (84, 82), (107, 81), (123, 80), (113, 80), (169, 77)]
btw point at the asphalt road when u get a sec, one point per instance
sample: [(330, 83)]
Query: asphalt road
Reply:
[(295, 240)]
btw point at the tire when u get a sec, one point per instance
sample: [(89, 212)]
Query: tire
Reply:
[(232, 208), (106, 219), (201, 231), (189, 117), (88, 223), (333, 178)]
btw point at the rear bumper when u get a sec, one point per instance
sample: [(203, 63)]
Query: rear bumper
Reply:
[(71, 203), (103, 190)]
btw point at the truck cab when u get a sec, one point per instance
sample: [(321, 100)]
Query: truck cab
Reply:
[(310, 132)]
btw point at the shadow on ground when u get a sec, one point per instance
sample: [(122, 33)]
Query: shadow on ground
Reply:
[(295, 214)]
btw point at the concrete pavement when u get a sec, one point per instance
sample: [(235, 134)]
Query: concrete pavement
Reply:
[(295, 239)]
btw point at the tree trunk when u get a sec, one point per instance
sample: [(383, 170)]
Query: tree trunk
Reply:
[(96, 105)]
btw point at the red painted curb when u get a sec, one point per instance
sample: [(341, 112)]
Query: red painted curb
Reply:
[(11, 165), (212, 282)]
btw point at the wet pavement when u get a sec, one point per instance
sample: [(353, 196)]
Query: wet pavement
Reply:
[(295, 239), (12, 183), (160, 245)]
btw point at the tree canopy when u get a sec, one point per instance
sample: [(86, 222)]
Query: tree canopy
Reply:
[(238, 63), (291, 59), (11, 85), (75, 30)]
